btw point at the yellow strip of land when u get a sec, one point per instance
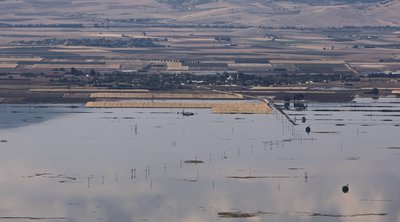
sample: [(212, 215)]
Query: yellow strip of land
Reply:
[(167, 95), (20, 59), (219, 108), (8, 65)]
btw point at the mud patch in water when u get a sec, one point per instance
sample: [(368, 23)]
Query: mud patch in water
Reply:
[(326, 132), (259, 177), (341, 215), (241, 214), (193, 161)]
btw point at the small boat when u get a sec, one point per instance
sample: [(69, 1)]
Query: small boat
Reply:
[(187, 113)]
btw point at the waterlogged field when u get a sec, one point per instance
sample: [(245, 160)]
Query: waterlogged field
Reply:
[(70, 163)]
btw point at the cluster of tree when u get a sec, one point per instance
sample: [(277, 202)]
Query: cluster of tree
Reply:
[(223, 38), (171, 25), (387, 27), (178, 81), (77, 72), (98, 42), (133, 20), (350, 37), (383, 75)]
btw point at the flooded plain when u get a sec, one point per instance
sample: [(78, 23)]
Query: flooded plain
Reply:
[(71, 163)]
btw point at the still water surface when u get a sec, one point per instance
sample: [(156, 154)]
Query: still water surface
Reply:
[(70, 163)]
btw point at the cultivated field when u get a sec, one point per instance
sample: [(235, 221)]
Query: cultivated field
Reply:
[(206, 50), (86, 89)]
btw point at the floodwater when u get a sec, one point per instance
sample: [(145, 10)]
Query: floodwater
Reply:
[(70, 163)]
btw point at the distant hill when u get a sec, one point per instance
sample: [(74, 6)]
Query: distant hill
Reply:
[(303, 13), (187, 2), (310, 2), (330, 2), (293, 12)]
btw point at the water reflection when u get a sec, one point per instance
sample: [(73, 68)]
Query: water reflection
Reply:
[(156, 165), (21, 115)]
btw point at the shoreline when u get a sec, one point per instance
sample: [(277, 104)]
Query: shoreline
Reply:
[(32, 97)]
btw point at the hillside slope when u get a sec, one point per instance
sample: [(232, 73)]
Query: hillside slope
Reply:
[(297, 13), (309, 13)]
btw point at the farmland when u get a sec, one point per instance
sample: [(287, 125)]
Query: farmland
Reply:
[(254, 50), (142, 52)]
